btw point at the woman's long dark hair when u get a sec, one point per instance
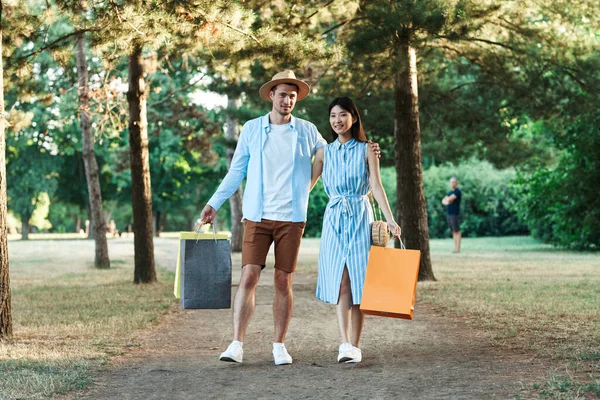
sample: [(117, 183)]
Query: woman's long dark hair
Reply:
[(347, 104)]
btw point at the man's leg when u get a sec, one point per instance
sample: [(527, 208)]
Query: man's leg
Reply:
[(282, 312), (243, 308), (243, 303), (283, 304), (456, 239), (287, 237), (257, 239)]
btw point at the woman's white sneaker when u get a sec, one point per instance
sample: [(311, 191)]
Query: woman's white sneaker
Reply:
[(234, 353), (356, 355), (280, 354), (345, 353)]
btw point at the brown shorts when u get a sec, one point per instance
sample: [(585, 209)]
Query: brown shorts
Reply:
[(258, 237)]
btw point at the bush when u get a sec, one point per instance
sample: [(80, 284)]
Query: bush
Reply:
[(560, 204), (488, 200), (317, 203)]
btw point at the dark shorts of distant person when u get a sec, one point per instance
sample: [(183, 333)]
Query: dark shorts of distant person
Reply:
[(258, 237), (454, 222)]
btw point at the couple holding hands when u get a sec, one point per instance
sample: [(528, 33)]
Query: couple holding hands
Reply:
[(282, 158)]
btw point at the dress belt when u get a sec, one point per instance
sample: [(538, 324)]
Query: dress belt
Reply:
[(345, 201)]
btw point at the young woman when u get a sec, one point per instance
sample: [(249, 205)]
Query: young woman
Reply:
[(350, 170)]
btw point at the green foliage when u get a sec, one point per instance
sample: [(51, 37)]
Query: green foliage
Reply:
[(317, 203), (30, 172), (560, 203), (487, 203), (486, 91), (63, 217), (185, 157)]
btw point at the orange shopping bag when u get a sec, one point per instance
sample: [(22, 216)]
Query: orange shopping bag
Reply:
[(391, 282)]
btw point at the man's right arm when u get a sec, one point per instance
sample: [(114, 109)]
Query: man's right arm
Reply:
[(451, 198), (235, 175)]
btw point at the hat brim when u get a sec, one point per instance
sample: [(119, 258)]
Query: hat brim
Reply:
[(303, 88)]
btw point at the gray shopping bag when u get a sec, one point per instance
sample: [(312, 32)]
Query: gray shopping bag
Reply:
[(203, 278)]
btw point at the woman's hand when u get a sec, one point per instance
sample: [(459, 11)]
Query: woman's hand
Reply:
[(394, 229)]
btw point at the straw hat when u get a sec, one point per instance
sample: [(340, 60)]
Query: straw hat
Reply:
[(286, 76)]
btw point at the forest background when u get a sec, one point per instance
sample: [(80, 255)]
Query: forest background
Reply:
[(507, 102)]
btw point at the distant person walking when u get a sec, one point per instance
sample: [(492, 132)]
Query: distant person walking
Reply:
[(452, 203)]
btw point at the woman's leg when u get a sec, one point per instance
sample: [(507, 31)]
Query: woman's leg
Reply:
[(344, 307), (358, 321)]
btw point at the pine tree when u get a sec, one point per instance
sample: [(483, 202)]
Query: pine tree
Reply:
[(513, 55), (5, 305)]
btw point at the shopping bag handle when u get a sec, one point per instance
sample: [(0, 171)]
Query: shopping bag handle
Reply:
[(198, 227), (401, 243)]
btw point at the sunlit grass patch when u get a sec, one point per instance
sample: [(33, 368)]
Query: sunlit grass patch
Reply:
[(525, 294), (69, 316), (36, 380), (565, 387)]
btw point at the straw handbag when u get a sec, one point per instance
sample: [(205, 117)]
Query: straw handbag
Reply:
[(380, 232)]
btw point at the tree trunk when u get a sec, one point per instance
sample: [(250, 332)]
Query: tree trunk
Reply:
[(97, 222), (235, 201), (5, 305), (141, 194), (411, 207), (24, 226), (157, 223), (77, 223)]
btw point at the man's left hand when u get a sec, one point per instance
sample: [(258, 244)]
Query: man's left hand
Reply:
[(375, 148)]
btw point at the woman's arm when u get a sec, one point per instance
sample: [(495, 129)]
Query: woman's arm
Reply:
[(317, 166), (379, 191)]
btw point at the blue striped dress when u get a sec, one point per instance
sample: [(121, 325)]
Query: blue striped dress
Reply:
[(346, 236)]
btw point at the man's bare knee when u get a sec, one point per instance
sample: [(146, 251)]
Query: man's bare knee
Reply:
[(283, 281), (250, 276)]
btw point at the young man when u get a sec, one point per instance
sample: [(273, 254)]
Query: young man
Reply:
[(275, 153), (452, 203)]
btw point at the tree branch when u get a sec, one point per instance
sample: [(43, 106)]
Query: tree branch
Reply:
[(174, 92), (55, 43), (316, 12), (343, 23), (251, 36)]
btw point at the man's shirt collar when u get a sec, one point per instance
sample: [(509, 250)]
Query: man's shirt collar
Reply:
[(266, 123)]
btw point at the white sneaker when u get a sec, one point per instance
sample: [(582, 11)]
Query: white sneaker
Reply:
[(346, 352), (234, 353), (280, 354), (356, 355)]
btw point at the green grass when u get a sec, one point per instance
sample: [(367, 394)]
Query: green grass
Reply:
[(528, 295), (524, 295), (68, 317), (38, 380)]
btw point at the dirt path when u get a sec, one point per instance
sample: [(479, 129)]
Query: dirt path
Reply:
[(430, 357)]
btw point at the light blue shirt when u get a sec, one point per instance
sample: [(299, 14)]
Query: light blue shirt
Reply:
[(247, 161)]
